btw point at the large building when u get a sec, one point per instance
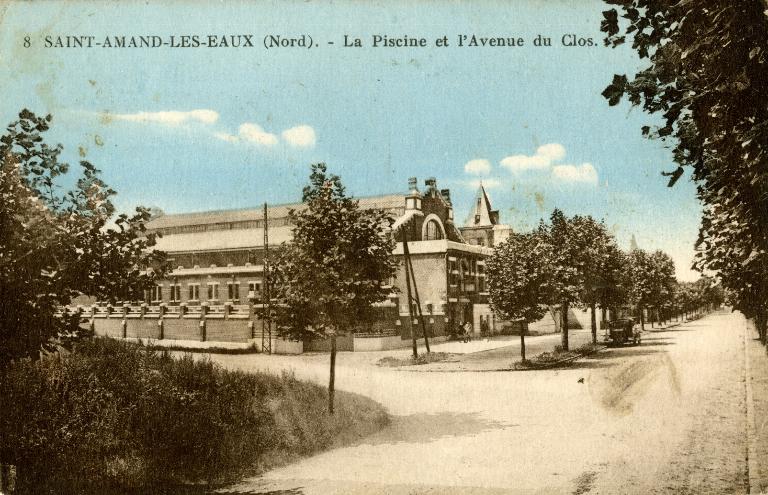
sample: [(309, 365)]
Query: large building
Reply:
[(218, 257)]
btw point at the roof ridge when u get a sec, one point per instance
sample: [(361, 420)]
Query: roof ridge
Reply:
[(269, 205)]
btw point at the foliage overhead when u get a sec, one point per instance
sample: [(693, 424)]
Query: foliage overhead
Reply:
[(707, 78), (57, 241)]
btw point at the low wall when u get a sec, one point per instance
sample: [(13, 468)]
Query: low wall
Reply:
[(281, 346), (196, 344), (343, 343), (377, 343)]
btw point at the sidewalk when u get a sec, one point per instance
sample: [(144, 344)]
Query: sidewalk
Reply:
[(659, 328), (757, 410)]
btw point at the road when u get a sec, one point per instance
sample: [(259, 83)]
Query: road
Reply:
[(668, 416)]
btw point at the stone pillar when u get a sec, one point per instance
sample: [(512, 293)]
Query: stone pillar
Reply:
[(125, 320), (203, 313), (252, 316), (160, 322)]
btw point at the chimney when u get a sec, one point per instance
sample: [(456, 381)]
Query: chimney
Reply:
[(446, 193), (413, 198), (430, 183), (412, 185)]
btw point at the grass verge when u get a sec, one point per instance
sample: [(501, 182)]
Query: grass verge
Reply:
[(558, 357), (114, 417), (424, 358)]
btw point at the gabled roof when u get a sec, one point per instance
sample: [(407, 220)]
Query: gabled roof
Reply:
[(482, 214)]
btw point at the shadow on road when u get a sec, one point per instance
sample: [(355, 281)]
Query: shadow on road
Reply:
[(608, 357), (424, 428)]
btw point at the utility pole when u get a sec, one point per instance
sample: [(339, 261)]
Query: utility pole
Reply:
[(416, 295), (266, 338), (406, 256)]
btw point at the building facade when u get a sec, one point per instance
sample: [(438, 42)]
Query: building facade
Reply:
[(218, 259)]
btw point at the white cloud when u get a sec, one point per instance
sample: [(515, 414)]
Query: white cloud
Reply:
[(253, 133), (301, 136), (478, 166), (542, 159), (170, 117), (553, 151), (584, 173), (519, 163)]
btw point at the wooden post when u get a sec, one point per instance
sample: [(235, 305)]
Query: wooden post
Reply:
[(331, 379), (564, 317), (409, 298)]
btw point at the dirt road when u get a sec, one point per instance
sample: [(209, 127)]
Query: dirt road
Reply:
[(668, 416)]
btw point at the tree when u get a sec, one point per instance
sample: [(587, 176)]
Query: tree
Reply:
[(567, 261), (335, 267), (663, 275), (518, 280), (706, 78), (56, 242), (613, 269), (601, 263), (641, 286)]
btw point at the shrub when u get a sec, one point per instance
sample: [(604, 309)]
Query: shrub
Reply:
[(117, 415), (424, 358)]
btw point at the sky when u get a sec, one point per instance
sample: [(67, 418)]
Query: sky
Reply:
[(199, 128)]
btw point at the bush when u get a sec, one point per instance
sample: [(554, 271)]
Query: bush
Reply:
[(116, 415), (423, 358)]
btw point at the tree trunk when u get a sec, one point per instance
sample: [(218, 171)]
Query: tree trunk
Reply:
[(331, 381), (564, 316), (522, 343), (602, 314), (642, 319), (593, 322), (761, 322)]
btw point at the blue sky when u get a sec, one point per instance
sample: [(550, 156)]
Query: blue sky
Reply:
[(210, 128)]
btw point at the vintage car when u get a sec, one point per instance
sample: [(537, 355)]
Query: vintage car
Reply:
[(622, 331)]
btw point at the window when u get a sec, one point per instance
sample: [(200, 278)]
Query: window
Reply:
[(175, 292), (453, 275), (157, 293), (254, 290), (194, 292), (213, 291), (233, 291), (433, 232)]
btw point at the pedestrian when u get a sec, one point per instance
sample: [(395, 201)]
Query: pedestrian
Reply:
[(467, 332)]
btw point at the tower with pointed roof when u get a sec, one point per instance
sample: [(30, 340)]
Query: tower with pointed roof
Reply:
[(482, 226)]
